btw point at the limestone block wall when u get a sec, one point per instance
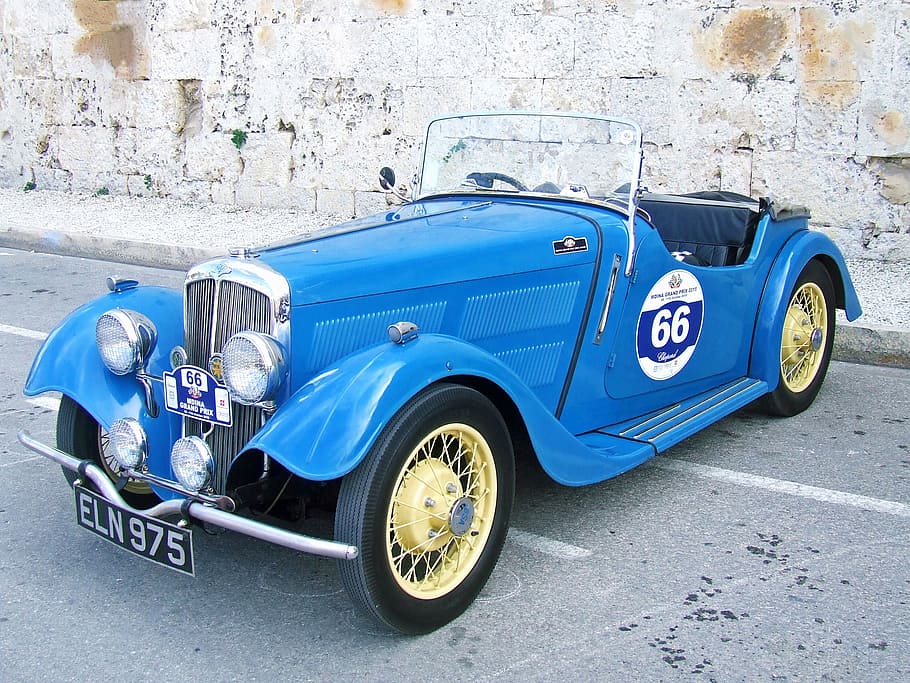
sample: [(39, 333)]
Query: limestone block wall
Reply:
[(299, 102)]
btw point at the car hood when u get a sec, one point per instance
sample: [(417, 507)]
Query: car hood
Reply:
[(430, 243)]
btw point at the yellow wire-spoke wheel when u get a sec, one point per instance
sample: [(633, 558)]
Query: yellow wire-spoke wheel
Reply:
[(805, 342), (804, 336), (428, 509), (441, 511)]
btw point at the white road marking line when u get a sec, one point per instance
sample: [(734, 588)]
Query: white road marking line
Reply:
[(888, 507), (19, 462), (46, 402), (23, 332), (548, 546)]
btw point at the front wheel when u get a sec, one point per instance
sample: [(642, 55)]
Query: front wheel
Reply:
[(429, 510), (806, 342), (82, 437)]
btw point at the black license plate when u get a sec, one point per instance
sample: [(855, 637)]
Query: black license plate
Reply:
[(156, 540)]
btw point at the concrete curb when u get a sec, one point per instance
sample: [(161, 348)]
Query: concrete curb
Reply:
[(853, 343), (170, 256), (872, 345)]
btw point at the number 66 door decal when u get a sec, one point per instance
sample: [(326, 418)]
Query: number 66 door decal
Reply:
[(669, 324)]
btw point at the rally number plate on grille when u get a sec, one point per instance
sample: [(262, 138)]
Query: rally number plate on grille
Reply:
[(153, 539), (193, 392)]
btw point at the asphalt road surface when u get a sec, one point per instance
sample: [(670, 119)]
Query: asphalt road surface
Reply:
[(761, 549)]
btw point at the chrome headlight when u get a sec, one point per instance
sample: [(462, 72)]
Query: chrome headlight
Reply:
[(127, 443), (253, 366), (124, 338), (192, 463)]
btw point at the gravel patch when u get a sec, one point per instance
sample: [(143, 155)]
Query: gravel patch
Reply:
[(152, 220)]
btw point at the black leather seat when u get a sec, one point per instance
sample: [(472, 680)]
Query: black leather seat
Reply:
[(717, 227)]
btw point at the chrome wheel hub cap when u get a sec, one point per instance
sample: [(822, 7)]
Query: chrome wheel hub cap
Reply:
[(461, 516), (817, 339)]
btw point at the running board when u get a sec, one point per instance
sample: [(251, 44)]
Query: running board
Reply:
[(671, 425)]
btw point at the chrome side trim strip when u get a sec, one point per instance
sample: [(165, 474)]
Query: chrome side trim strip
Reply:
[(688, 420), (632, 430), (195, 509), (671, 414), (611, 290)]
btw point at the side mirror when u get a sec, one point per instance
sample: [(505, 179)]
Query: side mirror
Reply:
[(387, 183), (387, 179)]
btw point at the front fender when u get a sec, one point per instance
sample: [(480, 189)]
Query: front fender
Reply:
[(796, 253), (68, 361), (327, 427), (329, 424)]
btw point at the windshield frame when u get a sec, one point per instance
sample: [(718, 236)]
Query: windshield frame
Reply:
[(634, 182)]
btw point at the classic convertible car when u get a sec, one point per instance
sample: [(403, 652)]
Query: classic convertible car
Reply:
[(528, 298)]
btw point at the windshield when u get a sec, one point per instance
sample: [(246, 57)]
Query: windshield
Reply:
[(573, 155)]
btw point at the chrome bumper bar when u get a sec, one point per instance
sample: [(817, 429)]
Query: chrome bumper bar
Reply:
[(200, 511)]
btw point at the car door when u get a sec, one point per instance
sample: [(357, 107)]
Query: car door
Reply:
[(671, 331), (683, 329)]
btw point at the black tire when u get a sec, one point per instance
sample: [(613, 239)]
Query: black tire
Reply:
[(806, 342), (82, 437), (415, 502)]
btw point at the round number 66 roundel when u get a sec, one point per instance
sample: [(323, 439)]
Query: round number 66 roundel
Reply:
[(669, 324)]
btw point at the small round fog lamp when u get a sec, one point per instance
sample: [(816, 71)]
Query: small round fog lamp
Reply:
[(192, 463), (127, 443)]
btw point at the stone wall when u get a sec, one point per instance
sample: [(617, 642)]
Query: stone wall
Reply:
[(299, 102)]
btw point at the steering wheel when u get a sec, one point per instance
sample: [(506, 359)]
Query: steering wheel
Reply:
[(485, 180)]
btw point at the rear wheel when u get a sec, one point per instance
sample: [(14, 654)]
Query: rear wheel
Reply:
[(429, 510), (806, 342), (82, 437)]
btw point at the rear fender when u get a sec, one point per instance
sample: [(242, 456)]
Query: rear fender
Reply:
[(68, 361), (328, 426), (796, 253)]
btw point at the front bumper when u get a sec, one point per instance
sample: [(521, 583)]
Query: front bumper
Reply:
[(87, 470)]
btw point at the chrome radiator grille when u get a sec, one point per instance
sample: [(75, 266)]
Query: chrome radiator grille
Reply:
[(216, 309)]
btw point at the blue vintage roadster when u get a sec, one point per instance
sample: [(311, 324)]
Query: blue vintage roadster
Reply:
[(527, 298)]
